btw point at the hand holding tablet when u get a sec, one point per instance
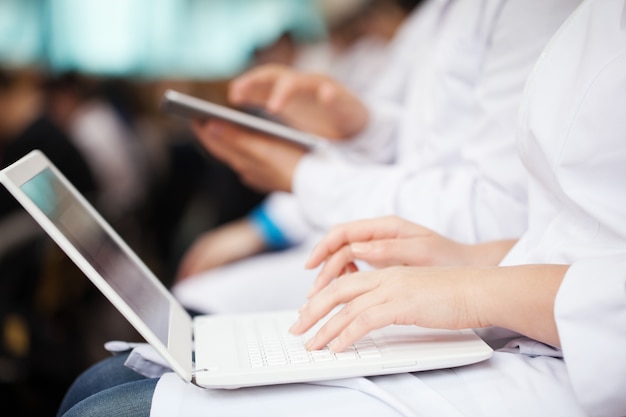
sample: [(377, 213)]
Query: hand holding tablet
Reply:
[(187, 106)]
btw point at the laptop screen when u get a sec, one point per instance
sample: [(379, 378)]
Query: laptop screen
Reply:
[(98, 248)]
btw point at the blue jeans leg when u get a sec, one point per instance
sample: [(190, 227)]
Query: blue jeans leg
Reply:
[(109, 388)]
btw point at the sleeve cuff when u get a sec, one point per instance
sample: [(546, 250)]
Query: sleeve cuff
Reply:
[(272, 235)]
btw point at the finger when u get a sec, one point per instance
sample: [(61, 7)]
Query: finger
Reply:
[(205, 130), (350, 268), (290, 86), (358, 231), (317, 286), (213, 144), (391, 252), (336, 265), (254, 86), (345, 328), (340, 291), (327, 93), (377, 253), (220, 139), (347, 110)]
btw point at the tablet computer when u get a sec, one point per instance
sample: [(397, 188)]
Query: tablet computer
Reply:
[(187, 106)]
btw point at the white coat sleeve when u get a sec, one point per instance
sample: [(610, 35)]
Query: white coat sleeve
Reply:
[(376, 143), (280, 214), (385, 98), (459, 202), (590, 312), (479, 192), (280, 221)]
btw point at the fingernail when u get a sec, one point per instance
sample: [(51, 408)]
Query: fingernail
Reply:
[(307, 264), (358, 247), (314, 291), (274, 105), (294, 327), (309, 345), (333, 345)]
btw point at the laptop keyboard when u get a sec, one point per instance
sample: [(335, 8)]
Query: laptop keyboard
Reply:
[(269, 344)]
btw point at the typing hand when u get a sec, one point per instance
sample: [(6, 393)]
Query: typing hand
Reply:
[(426, 297), (382, 242)]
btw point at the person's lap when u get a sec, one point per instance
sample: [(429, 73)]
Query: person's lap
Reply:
[(508, 384), (109, 388)]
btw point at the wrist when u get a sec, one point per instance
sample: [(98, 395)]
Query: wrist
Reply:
[(272, 236), (479, 297), (485, 254), (519, 298)]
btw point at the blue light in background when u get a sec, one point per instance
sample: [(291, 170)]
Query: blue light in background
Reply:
[(149, 38), (96, 36), (21, 32)]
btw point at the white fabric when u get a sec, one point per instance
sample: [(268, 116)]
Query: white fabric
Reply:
[(385, 97), (446, 112), (142, 358), (456, 169), (592, 332), (576, 176), (573, 146), (509, 385), (354, 66), (359, 70), (571, 124), (271, 281), (111, 150), (283, 210)]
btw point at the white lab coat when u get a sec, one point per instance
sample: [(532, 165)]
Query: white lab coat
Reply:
[(571, 133), (443, 130), (354, 66), (385, 94), (455, 169)]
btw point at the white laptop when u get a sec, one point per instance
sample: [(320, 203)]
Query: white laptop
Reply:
[(215, 351)]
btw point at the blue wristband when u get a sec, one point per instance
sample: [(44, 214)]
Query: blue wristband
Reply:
[(272, 235)]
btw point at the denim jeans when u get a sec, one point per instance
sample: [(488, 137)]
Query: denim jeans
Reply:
[(109, 389)]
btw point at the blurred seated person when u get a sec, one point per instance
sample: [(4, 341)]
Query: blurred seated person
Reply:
[(358, 45), (355, 49), (434, 142), (110, 146), (29, 271), (24, 127), (552, 304)]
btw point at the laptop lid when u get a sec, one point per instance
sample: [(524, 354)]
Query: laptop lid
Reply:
[(102, 255)]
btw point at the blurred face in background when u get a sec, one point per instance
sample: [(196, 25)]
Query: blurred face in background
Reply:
[(5, 84), (20, 101), (382, 19)]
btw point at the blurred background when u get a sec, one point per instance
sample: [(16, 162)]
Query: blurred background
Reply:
[(82, 80)]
